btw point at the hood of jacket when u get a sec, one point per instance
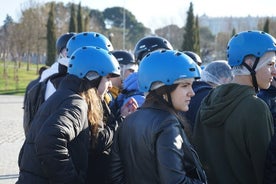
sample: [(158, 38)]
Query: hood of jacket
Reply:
[(131, 82), (221, 101), (201, 85)]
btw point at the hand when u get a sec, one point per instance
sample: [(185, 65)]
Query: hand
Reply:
[(129, 107)]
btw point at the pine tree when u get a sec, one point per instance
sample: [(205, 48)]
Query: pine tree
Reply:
[(266, 26), (197, 38), (79, 18), (190, 32), (72, 23), (86, 24), (233, 32), (51, 38)]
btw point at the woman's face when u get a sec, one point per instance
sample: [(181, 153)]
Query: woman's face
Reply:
[(117, 82), (182, 95), (104, 85)]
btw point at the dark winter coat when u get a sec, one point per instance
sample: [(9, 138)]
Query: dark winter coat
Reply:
[(151, 147), (201, 90), (269, 96), (270, 164), (56, 148), (31, 84), (35, 96), (99, 156), (232, 132)]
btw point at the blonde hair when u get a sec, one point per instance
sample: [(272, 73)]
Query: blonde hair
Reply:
[(95, 109)]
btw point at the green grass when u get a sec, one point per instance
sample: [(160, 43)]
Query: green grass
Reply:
[(15, 82)]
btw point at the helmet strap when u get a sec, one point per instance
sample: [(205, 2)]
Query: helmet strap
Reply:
[(253, 73)]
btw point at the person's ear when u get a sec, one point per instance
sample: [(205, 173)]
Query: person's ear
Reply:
[(250, 61), (165, 97)]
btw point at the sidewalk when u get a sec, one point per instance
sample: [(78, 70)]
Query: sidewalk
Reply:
[(11, 136)]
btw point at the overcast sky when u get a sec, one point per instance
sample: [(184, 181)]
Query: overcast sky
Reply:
[(158, 13)]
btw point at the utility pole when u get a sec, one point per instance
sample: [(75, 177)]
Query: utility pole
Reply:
[(124, 27)]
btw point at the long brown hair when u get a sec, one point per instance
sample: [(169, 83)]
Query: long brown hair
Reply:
[(95, 109)]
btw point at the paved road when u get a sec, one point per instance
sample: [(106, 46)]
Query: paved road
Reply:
[(11, 136)]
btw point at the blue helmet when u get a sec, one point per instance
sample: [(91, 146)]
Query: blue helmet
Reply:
[(246, 43), (94, 60), (88, 39), (165, 66)]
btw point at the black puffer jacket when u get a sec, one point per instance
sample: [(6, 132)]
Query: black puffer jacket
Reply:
[(99, 156), (269, 96), (270, 163), (201, 89), (56, 148), (151, 147)]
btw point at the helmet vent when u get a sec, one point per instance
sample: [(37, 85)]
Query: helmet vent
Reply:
[(178, 54), (147, 55)]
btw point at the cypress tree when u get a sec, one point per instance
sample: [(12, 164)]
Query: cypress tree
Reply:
[(266, 26), (79, 18), (197, 38), (72, 23), (233, 32), (51, 38), (190, 33), (86, 24)]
